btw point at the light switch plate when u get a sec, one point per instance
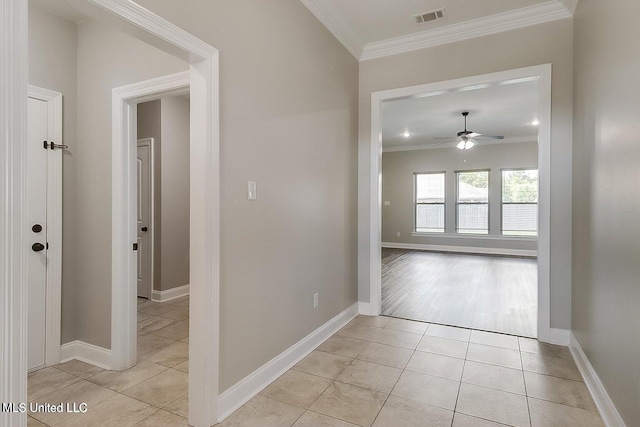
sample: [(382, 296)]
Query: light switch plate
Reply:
[(252, 193)]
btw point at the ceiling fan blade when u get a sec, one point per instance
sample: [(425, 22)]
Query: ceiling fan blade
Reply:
[(473, 134), (490, 136), (442, 144)]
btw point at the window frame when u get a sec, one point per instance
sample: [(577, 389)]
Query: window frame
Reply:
[(502, 203), (456, 175), (415, 202)]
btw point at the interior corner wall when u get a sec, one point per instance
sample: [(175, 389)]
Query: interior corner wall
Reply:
[(149, 117), (174, 189), (107, 59), (606, 201), (288, 120), (52, 65), (551, 42), (399, 167)]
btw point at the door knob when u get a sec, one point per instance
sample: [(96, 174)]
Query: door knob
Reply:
[(36, 228), (37, 247), (144, 229)]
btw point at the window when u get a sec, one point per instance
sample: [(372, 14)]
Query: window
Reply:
[(472, 204), (429, 197), (520, 202)]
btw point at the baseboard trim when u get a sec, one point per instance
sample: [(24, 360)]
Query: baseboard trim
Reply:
[(251, 385), (364, 308), (169, 294), (461, 249), (555, 336), (610, 415), (85, 352)]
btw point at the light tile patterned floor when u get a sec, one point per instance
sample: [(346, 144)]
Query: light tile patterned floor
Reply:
[(376, 371), (389, 372), (153, 393)]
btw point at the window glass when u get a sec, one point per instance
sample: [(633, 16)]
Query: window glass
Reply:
[(429, 202), (520, 202), (472, 207)]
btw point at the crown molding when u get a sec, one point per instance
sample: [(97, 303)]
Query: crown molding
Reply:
[(452, 144), (532, 15), (340, 31), (545, 12)]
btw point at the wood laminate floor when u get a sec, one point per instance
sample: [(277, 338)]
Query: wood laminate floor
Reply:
[(489, 293)]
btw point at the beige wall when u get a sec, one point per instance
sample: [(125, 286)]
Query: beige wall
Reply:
[(546, 43), (398, 170), (174, 202), (606, 201), (149, 127), (52, 65), (289, 122), (106, 59)]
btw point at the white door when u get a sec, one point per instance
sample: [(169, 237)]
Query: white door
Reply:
[(144, 215), (37, 223)]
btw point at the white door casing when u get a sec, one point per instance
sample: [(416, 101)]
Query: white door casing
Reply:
[(202, 83), (44, 223), (144, 217)]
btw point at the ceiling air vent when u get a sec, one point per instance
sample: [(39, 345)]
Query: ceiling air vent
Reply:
[(421, 18)]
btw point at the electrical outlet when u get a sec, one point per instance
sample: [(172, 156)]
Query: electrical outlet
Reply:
[(315, 300), (398, 234), (387, 203)]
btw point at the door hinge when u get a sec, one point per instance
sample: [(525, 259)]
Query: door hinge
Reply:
[(135, 246)]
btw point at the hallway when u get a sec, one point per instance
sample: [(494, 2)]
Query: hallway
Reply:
[(152, 393), (378, 371)]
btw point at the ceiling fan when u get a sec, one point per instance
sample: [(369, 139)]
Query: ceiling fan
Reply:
[(467, 138)]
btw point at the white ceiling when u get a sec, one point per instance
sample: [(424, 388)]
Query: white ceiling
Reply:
[(375, 28), (63, 8), (499, 109)]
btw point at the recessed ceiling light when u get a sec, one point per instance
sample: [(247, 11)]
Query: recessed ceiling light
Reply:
[(406, 134), (535, 123)]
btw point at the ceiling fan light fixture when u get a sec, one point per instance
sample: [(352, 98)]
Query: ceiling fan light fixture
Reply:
[(465, 144)]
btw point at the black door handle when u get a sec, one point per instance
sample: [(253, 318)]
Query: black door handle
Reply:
[(37, 247), (144, 229)]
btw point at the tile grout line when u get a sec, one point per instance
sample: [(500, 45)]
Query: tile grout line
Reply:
[(398, 380), (464, 365), (524, 381)]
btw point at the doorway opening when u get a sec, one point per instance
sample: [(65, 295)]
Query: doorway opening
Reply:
[(162, 222), (162, 172), (460, 207), (491, 211)]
